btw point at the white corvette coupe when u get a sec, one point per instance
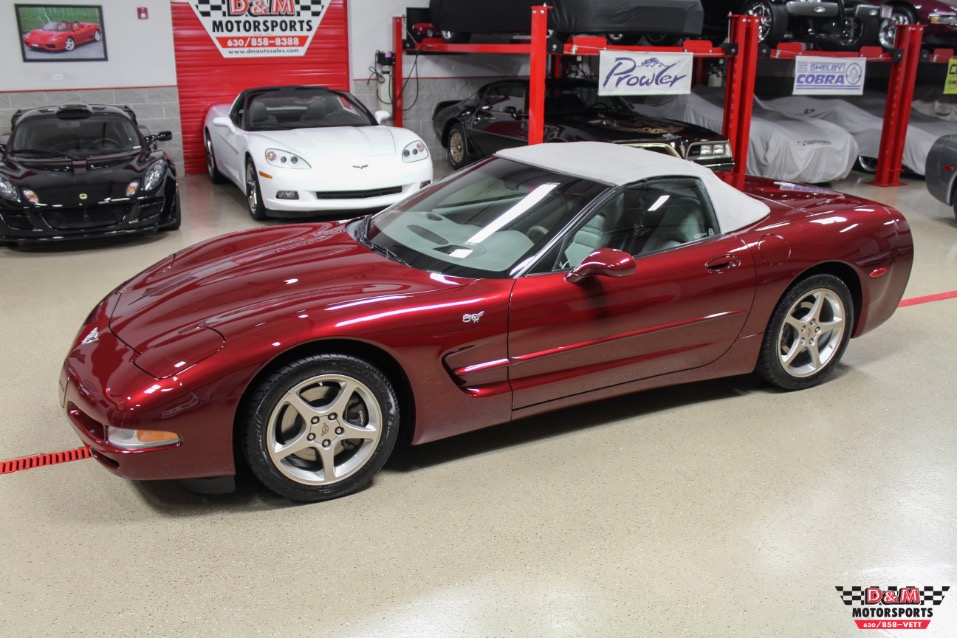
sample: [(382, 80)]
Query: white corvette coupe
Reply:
[(301, 149)]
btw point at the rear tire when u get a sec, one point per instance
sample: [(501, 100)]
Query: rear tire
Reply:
[(663, 39), (458, 147), (320, 427), (807, 334), (211, 168), (900, 16)]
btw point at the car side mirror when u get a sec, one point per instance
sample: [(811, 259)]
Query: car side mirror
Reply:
[(164, 136), (604, 262), (223, 122), (382, 116), (515, 113)]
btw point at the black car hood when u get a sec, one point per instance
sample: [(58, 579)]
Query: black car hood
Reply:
[(64, 182), (615, 126)]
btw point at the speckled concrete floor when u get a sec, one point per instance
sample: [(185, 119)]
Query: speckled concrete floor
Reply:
[(714, 509)]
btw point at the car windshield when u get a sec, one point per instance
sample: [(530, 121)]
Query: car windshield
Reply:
[(575, 98), (56, 26), (98, 134), (486, 221), (304, 108)]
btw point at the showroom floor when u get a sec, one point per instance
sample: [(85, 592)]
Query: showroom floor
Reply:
[(715, 509)]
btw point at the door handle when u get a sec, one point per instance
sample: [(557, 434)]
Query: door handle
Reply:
[(723, 263)]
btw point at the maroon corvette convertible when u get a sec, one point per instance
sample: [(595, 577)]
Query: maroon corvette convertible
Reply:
[(540, 278)]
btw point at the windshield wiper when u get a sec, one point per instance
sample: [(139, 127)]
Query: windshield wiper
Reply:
[(43, 152), (363, 236)]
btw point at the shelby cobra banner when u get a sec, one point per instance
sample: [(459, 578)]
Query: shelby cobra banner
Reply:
[(816, 75), (260, 28), (635, 73)]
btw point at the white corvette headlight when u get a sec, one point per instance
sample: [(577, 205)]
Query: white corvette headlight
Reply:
[(285, 159), (415, 151)]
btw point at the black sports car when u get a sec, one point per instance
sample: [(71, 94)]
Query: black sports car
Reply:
[(496, 118), (77, 171)]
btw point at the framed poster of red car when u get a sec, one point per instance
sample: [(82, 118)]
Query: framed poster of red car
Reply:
[(61, 33)]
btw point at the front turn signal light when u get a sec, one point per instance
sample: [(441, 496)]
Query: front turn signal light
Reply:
[(128, 439)]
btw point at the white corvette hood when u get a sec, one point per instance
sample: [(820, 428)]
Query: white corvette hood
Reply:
[(314, 144)]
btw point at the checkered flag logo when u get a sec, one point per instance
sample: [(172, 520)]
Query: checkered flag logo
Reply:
[(928, 594), (933, 595), (851, 595), (209, 8)]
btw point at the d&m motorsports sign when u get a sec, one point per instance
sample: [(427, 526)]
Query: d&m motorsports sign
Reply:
[(260, 28)]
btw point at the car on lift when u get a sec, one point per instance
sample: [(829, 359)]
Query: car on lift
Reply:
[(496, 117), (63, 35), (835, 25), (939, 18), (941, 170), (298, 150), (661, 22), (78, 171), (546, 276)]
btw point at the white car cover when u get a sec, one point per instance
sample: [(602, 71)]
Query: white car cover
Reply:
[(863, 117), (779, 147), (619, 165)]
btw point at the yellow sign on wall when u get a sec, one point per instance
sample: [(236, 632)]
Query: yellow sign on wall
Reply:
[(950, 84)]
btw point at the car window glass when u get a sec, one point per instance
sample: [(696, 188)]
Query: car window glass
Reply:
[(644, 218), (286, 110), (486, 221), (101, 133), (506, 97)]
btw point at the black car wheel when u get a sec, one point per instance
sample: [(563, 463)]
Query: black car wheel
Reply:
[(808, 333), (458, 152), (855, 34), (320, 427), (900, 16), (214, 175), (953, 200), (622, 39), (866, 164), (454, 37), (774, 20), (254, 197), (69, 45), (663, 39)]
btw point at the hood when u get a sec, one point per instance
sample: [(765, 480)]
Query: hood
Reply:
[(622, 127), (62, 182), (339, 141), (236, 282)]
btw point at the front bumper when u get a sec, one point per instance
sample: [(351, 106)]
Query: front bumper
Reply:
[(318, 190), (31, 223), (101, 387)]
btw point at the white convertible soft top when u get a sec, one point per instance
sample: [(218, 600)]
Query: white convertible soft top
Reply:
[(619, 165)]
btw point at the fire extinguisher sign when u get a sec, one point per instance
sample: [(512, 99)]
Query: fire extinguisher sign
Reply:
[(260, 28)]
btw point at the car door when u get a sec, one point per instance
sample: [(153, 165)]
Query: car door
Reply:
[(683, 307), (229, 142), (500, 121)]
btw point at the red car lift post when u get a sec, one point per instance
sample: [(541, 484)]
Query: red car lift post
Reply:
[(398, 27), (900, 95), (739, 88), (536, 76)]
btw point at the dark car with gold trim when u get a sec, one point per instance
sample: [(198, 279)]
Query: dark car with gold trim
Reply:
[(76, 171), (496, 117)]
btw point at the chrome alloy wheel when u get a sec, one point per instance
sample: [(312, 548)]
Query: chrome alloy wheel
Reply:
[(888, 32), (210, 160), (456, 148), (252, 188), (812, 333), (761, 11), (324, 429)]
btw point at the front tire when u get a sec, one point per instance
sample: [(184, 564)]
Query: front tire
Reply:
[(69, 45), (97, 36), (254, 196), (320, 427), (808, 333), (900, 17), (212, 169), (458, 147)]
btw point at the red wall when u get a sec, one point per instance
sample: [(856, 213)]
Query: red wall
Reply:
[(205, 78)]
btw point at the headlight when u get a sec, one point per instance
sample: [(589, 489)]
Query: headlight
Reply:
[(943, 18), (8, 190), (153, 176), (415, 151), (720, 149), (285, 159)]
